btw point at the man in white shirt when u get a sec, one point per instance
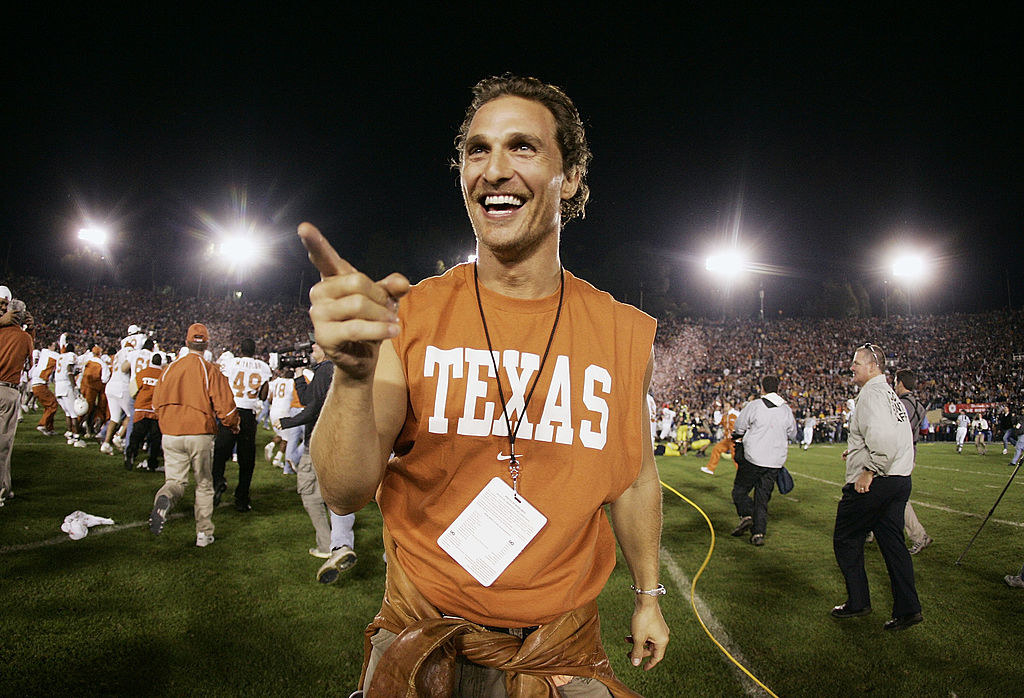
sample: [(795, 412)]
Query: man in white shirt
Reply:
[(963, 422), (764, 427), (810, 422), (879, 461), (980, 426), (668, 416)]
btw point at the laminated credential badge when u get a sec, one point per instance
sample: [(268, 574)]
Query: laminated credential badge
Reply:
[(491, 532)]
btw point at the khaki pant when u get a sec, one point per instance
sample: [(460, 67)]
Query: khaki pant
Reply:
[(195, 453), (308, 488), (10, 410), (474, 681), (915, 531)]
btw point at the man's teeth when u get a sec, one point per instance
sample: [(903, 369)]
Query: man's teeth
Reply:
[(502, 200)]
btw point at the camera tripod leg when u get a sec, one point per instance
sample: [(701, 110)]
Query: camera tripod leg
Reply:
[(1012, 475)]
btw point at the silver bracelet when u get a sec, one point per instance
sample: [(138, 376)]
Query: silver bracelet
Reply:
[(656, 591)]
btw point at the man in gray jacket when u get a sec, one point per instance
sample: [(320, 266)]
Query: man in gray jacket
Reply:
[(879, 461), (764, 428)]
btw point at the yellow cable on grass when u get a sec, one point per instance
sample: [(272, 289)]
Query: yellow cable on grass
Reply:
[(693, 590)]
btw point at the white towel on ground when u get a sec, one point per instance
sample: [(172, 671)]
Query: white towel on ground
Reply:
[(77, 523)]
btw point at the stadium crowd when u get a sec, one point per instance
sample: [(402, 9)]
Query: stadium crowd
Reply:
[(959, 358)]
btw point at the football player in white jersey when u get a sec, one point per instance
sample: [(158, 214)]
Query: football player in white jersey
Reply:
[(138, 359), (117, 397), (40, 376), (249, 379), (284, 403), (64, 388)]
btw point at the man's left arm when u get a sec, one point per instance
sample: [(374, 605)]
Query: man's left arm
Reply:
[(223, 401), (636, 517)]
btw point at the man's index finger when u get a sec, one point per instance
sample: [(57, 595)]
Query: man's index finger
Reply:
[(323, 256)]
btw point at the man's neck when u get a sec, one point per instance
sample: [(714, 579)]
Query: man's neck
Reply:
[(536, 276)]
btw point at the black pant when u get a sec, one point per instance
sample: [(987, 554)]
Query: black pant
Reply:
[(762, 481), (225, 443), (880, 509), (148, 431)]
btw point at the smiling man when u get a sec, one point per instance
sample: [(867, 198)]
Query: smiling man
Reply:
[(512, 397)]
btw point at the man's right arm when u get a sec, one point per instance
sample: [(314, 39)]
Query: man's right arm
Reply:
[(354, 319), (349, 461)]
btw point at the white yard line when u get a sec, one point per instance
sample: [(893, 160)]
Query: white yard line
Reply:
[(682, 582), (917, 503), (94, 531)]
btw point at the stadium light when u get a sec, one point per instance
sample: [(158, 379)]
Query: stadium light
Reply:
[(728, 263), (909, 266), (911, 269), (239, 250), (93, 236)]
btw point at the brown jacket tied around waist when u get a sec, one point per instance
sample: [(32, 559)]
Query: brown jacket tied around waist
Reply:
[(421, 660)]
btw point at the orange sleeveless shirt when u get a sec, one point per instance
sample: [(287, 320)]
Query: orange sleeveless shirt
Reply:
[(579, 448)]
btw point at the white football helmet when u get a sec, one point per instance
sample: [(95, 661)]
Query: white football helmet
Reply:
[(81, 406)]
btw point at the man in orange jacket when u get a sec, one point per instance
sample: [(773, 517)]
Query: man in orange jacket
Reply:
[(190, 397)]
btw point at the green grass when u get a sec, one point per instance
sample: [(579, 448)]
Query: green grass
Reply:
[(123, 612)]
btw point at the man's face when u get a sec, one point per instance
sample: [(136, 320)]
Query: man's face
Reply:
[(317, 353), (3, 305), (863, 367), (512, 177)]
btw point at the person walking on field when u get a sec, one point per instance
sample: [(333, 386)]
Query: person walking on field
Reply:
[(191, 395), (879, 462), (764, 427)]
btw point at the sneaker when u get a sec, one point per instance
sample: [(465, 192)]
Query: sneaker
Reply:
[(78, 443), (268, 450), (706, 469), (1014, 580), (118, 442), (920, 545), (1004, 451), (203, 539), (44, 431), (745, 523), (218, 491), (159, 515), (340, 560), (757, 539), (106, 448), (316, 552), (5, 494), (870, 538), (68, 435)]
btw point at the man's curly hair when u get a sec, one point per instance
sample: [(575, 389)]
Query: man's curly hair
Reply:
[(572, 140)]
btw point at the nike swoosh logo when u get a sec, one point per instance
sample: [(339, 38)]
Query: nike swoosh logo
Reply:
[(502, 456)]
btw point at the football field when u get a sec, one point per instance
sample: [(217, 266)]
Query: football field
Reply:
[(122, 612)]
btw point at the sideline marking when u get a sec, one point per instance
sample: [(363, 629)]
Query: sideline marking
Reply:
[(958, 470), (682, 582), (938, 507)]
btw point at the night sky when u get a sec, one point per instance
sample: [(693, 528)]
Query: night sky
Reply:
[(822, 138)]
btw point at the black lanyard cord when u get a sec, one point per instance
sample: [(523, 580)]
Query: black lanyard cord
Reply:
[(513, 462)]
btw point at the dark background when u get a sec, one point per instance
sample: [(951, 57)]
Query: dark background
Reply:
[(821, 139)]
